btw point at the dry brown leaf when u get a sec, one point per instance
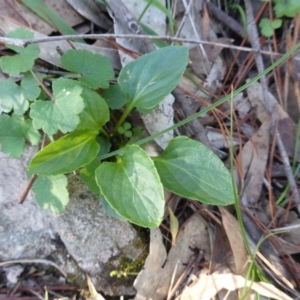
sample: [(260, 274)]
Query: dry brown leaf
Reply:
[(94, 294), (286, 126), (221, 252), (236, 241), (208, 286), (149, 278), (214, 51), (253, 160), (157, 282), (19, 12), (287, 129), (91, 10)]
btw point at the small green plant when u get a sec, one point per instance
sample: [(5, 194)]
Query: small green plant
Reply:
[(129, 184), (282, 8)]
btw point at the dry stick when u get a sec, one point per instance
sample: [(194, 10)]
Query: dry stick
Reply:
[(27, 189), (225, 19), (26, 42), (254, 40), (288, 170), (33, 261), (188, 12)]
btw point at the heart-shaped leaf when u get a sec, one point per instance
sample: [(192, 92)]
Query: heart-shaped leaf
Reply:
[(191, 170), (149, 79), (132, 187)]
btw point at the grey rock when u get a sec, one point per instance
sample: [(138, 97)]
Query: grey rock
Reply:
[(25, 230), (12, 274), (81, 240)]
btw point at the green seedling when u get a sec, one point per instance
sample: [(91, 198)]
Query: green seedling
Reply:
[(282, 8), (125, 130), (131, 183)]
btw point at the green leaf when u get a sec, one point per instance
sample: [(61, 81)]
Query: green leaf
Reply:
[(87, 175), (114, 96), (288, 8), (105, 145), (96, 70), (267, 27), (95, 113), (61, 114), (24, 61), (51, 17), (191, 170), (149, 79), (109, 210), (67, 154), (13, 132), (16, 97), (132, 187), (51, 192), (277, 23)]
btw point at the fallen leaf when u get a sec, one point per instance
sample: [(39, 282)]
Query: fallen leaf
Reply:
[(95, 295), (253, 159), (236, 241), (208, 286), (152, 268)]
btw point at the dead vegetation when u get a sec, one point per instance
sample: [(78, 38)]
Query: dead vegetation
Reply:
[(217, 253)]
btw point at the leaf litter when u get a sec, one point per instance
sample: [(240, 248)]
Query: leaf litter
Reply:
[(195, 266)]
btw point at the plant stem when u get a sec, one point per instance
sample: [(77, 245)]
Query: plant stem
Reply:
[(126, 112)]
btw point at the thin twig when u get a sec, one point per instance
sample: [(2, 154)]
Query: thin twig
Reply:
[(254, 40), (27, 189), (225, 19), (26, 42), (33, 261), (288, 171)]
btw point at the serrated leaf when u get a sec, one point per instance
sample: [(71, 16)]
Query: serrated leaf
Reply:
[(13, 132), (114, 96), (109, 210), (67, 154), (51, 192), (95, 113), (149, 79), (24, 60), (132, 187), (193, 171), (16, 97), (61, 114), (96, 70)]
